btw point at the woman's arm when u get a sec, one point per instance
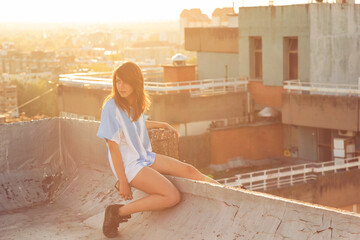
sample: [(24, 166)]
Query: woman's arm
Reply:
[(154, 124), (124, 188)]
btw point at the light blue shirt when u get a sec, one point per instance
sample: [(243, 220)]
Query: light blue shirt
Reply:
[(132, 138)]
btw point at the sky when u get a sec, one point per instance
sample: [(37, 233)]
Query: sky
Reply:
[(115, 10)]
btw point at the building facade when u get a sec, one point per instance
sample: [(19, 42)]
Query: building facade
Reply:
[(300, 59)]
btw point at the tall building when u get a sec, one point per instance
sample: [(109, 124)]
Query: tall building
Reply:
[(14, 62), (192, 18), (220, 16), (301, 60)]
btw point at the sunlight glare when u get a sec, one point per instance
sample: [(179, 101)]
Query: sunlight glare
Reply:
[(114, 10)]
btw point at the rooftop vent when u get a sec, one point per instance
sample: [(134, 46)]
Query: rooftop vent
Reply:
[(178, 59)]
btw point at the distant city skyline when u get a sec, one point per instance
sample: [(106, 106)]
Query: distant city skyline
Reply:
[(114, 10)]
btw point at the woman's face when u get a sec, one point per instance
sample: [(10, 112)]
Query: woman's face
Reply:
[(124, 89)]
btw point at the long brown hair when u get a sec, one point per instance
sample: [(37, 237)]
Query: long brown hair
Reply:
[(130, 73)]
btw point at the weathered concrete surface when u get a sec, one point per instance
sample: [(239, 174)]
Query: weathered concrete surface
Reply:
[(334, 43), (173, 108), (81, 186), (328, 41), (322, 111), (205, 212), (217, 65), (215, 39), (272, 24), (181, 108)]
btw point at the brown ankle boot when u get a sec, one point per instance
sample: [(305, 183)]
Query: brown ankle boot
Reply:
[(112, 220)]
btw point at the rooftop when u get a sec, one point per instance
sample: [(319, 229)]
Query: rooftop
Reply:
[(57, 188)]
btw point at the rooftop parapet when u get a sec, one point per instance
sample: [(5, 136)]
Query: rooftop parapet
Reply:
[(340, 89), (67, 168), (196, 88)]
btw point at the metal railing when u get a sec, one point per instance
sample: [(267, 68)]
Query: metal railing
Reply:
[(196, 88), (288, 176), (321, 88), (87, 79), (199, 87)]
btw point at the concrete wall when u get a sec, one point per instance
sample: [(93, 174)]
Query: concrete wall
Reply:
[(31, 171), (172, 108), (84, 186), (265, 95), (217, 39), (181, 108), (323, 111), (82, 101), (335, 43), (328, 42), (248, 142), (273, 24), (334, 190), (195, 150), (291, 140), (213, 65)]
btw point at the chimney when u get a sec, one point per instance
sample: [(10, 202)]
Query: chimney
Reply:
[(179, 71)]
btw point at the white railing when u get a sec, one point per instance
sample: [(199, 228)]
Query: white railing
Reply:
[(199, 87), (321, 88), (196, 88), (288, 176), (86, 79)]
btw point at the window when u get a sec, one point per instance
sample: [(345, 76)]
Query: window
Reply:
[(290, 58), (256, 57)]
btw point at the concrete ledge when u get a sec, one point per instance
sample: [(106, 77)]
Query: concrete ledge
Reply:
[(213, 212), (77, 184)]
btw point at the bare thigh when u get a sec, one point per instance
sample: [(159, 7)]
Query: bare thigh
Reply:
[(171, 166), (151, 181)]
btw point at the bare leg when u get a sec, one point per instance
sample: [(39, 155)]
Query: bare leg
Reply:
[(171, 166), (162, 193)]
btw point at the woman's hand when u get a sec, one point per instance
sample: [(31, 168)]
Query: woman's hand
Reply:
[(124, 190), (154, 124)]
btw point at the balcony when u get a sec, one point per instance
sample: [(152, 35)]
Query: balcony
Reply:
[(194, 100), (337, 89), (204, 87), (321, 105)]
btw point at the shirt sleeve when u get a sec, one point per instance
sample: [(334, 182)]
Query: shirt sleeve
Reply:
[(109, 126)]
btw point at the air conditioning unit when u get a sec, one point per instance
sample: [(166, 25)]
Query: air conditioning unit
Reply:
[(346, 133)]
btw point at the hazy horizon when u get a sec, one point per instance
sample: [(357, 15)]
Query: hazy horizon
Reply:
[(80, 11)]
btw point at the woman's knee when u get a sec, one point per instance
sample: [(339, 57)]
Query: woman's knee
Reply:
[(173, 197)]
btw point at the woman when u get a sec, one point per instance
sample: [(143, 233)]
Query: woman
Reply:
[(124, 128)]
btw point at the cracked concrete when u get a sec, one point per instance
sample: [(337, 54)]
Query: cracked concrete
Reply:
[(67, 195)]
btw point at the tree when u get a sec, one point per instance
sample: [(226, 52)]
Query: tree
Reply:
[(45, 105)]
